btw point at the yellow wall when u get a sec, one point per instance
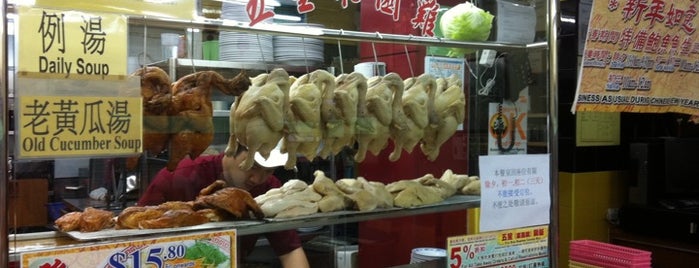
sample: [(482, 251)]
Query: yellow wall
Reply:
[(583, 202)]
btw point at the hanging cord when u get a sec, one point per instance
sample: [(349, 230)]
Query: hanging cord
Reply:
[(339, 49), (305, 56), (407, 55), (501, 124), (376, 58), (191, 47), (262, 52), (488, 87)]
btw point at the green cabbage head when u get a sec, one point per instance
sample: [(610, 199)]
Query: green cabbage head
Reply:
[(466, 22)]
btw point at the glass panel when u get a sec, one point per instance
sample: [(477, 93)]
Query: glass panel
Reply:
[(187, 106)]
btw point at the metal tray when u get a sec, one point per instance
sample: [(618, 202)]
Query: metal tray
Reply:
[(122, 233)]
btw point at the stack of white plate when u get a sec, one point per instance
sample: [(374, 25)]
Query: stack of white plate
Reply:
[(298, 51), (427, 254), (241, 46)]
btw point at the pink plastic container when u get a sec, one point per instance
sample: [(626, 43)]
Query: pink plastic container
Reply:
[(608, 255)]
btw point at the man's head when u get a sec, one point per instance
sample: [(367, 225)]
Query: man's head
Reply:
[(259, 172)]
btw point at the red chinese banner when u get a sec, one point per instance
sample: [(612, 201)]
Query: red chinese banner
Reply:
[(640, 56)]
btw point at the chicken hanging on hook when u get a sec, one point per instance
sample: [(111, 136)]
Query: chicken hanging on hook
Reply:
[(350, 100), (374, 134), (417, 105), (450, 108), (257, 117), (303, 120)]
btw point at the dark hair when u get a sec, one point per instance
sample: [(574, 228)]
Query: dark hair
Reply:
[(240, 150)]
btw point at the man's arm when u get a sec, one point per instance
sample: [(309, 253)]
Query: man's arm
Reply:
[(295, 259)]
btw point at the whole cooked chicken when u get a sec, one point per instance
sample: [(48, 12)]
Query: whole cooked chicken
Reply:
[(417, 100), (350, 94), (257, 117), (192, 120), (303, 120), (156, 94), (450, 108), (330, 116), (88, 220), (235, 201), (374, 133)]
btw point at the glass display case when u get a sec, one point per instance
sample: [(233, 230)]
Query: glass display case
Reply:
[(508, 89)]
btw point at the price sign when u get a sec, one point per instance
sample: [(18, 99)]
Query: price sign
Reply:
[(214, 249), (517, 248)]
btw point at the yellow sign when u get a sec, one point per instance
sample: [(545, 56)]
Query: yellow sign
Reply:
[(71, 44), (183, 9), (640, 57), (522, 247), (213, 249), (54, 126)]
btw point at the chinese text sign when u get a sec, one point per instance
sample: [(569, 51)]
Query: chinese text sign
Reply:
[(514, 191), (71, 45), (640, 56)]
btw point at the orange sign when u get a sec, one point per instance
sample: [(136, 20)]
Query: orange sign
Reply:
[(640, 56)]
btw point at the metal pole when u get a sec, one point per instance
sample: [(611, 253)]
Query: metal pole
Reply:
[(552, 32), (4, 183)]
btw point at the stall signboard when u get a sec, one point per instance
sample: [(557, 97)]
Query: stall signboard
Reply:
[(640, 56), (182, 9), (514, 191), (75, 118), (71, 44), (210, 249), (515, 248)]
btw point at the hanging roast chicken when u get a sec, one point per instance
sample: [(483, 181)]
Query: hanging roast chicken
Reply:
[(450, 107), (192, 121), (257, 117)]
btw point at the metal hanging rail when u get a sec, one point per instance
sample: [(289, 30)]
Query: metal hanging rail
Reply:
[(329, 34)]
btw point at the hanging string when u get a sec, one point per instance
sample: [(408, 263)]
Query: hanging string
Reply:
[(262, 52), (191, 47), (410, 65), (339, 49), (305, 56)]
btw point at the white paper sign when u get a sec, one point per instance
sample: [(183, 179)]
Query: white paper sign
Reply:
[(515, 23), (515, 191)]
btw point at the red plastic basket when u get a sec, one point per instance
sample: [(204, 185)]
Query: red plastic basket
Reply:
[(608, 255)]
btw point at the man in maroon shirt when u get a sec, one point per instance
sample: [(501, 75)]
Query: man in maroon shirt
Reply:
[(191, 175)]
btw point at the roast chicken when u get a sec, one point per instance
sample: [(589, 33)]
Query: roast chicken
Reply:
[(257, 117), (417, 100), (235, 201), (373, 137), (350, 95), (303, 120), (450, 108), (89, 220), (192, 120), (156, 94)]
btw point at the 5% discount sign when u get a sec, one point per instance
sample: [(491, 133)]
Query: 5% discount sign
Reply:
[(461, 254), (513, 248)]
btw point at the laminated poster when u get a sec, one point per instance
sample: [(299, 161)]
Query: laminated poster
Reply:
[(516, 248), (640, 56)]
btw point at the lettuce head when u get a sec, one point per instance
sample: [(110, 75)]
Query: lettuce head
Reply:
[(466, 22)]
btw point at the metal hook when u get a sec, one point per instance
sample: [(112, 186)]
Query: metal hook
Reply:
[(339, 49)]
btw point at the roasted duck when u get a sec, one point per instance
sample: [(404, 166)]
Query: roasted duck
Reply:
[(237, 202)]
